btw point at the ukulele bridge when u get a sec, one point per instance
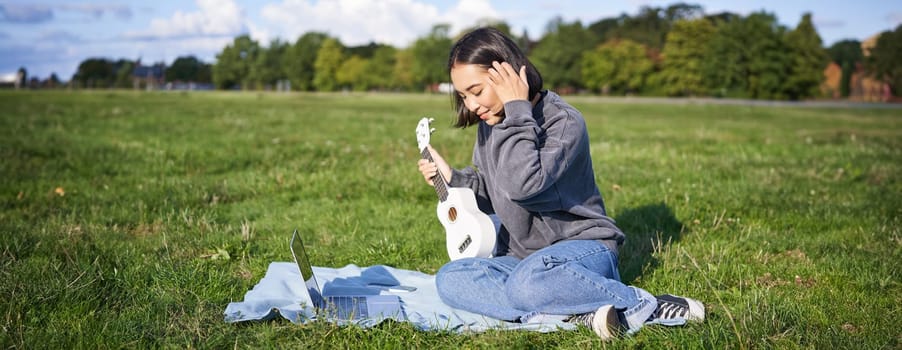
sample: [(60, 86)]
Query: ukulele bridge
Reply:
[(466, 243)]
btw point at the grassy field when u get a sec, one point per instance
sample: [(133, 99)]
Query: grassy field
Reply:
[(132, 219)]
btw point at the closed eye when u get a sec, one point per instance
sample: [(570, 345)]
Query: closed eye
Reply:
[(475, 94)]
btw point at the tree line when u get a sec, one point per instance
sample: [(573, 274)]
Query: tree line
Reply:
[(105, 73), (676, 50)]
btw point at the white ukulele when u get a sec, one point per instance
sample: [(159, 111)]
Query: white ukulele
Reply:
[(469, 232)]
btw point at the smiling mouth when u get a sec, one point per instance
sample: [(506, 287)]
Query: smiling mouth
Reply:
[(489, 114)]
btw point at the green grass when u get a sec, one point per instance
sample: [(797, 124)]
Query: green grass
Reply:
[(785, 221)]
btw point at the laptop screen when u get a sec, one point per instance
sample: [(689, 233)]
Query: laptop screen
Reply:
[(300, 258)]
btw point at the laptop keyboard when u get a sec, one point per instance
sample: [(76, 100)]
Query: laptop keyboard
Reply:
[(347, 307)]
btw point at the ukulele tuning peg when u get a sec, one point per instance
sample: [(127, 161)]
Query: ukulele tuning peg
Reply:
[(432, 130), (431, 120)]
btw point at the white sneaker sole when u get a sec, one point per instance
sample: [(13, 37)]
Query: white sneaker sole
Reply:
[(605, 323)]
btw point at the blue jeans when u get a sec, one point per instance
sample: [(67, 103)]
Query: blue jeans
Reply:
[(567, 278)]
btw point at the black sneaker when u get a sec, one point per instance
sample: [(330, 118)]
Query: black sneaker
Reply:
[(672, 307), (603, 321)]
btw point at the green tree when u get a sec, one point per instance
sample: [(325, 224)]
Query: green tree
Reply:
[(267, 68), (233, 64), (683, 12), (402, 72), (381, 66), (605, 29), (21, 78), (299, 59), (683, 57), (725, 71), (353, 73), (617, 66), (847, 54), (770, 61), (747, 57), (53, 81), (189, 69), (884, 60), (524, 42), (558, 53), (430, 56), (124, 69), (721, 18), (648, 27), (808, 60), (95, 73), (328, 59), (364, 51)]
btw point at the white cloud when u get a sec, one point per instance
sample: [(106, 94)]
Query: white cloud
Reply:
[(261, 34), (358, 22), (97, 10), (25, 13), (468, 12), (213, 18), (59, 36), (354, 22)]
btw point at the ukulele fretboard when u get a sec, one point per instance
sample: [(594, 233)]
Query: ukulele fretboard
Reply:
[(438, 180)]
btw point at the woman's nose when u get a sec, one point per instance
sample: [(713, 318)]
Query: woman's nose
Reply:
[(471, 104)]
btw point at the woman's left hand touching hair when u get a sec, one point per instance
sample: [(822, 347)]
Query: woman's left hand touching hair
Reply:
[(507, 83)]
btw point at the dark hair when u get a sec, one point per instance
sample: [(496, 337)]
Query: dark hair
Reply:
[(481, 47)]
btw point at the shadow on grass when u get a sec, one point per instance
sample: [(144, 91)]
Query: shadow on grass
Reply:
[(645, 227)]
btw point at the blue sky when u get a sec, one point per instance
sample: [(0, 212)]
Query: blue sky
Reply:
[(47, 36)]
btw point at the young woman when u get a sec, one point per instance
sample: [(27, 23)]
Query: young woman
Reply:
[(557, 249)]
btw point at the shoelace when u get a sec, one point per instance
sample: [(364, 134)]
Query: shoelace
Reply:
[(583, 319), (668, 310)]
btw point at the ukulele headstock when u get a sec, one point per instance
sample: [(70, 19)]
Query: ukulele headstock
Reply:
[(423, 132)]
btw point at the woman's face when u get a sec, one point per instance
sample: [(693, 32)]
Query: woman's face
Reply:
[(469, 81)]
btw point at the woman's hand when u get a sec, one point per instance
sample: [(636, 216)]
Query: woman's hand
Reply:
[(429, 169), (507, 83)]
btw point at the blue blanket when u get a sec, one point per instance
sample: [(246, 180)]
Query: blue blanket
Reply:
[(281, 293)]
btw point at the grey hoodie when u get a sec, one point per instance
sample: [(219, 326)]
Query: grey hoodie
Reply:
[(533, 170)]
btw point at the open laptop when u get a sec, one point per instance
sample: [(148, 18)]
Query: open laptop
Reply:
[(341, 307)]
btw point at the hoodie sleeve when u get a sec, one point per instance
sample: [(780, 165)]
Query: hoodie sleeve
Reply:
[(470, 177), (531, 159)]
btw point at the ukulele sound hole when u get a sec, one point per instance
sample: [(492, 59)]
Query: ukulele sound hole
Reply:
[(452, 214)]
